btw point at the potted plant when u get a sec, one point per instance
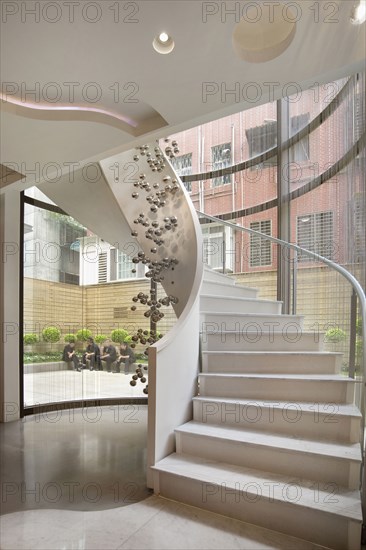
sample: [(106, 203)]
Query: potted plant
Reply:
[(83, 334), (30, 339), (51, 334), (69, 338), (335, 335), (120, 335)]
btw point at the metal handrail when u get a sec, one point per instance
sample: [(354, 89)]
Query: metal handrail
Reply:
[(350, 278), (362, 301)]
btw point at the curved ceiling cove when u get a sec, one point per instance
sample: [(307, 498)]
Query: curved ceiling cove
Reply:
[(47, 107), (146, 120)]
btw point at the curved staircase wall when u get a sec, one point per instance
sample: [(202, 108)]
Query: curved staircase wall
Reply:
[(173, 360), (109, 208)]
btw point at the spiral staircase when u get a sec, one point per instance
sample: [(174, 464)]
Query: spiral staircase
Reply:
[(266, 431), (274, 439)]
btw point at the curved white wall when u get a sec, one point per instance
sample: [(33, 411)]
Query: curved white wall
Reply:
[(110, 207)]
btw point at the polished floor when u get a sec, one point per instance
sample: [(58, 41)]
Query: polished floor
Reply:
[(75, 479)]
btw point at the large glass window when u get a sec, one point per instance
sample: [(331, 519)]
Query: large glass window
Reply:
[(221, 158), (300, 151), (260, 249), (264, 137), (315, 233), (218, 247), (261, 139), (356, 229), (183, 166), (77, 285)]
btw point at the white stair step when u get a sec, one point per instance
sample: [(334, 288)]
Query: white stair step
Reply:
[(324, 388), (262, 340), (320, 461), (249, 321), (232, 304), (327, 515), (228, 289), (215, 276), (287, 362), (331, 421)]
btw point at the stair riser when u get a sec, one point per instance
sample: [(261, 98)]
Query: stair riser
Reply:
[(232, 321), (270, 364), (261, 341), (209, 287), (291, 420), (254, 504), (269, 389), (225, 305), (325, 469), (217, 277)]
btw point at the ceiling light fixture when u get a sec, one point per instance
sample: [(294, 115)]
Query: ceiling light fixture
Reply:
[(358, 15), (163, 43), (163, 37)]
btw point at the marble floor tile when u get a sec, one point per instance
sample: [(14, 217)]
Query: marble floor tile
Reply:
[(152, 524)]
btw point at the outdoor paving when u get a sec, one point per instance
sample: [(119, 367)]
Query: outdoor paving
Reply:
[(67, 385)]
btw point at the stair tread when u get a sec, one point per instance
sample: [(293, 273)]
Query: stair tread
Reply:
[(303, 377), (343, 502), (255, 332), (284, 352), (241, 298), (208, 270), (339, 409), (230, 285), (349, 451), (259, 315)]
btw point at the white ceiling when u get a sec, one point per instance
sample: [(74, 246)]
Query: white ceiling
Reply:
[(168, 88)]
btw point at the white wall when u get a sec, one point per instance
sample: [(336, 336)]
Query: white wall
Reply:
[(9, 309)]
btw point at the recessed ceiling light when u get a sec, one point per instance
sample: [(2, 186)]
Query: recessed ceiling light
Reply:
[(358, 15), (163, 43), (163, 37)]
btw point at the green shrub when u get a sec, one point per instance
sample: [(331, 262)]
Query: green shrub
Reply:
[(335, 335), (69, 338), (83, 334), (359, 326), (359, 351), (51, 334), (47, 357), (30, 338), (120, 335), (100, 338)]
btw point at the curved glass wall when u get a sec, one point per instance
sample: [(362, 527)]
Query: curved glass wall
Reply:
[(319, 184), (73, 280), (78, 286)]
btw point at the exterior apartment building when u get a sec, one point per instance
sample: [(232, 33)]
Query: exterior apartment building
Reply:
[(322, 221)]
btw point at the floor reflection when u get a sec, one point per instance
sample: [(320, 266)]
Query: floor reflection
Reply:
[(77, 459)]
